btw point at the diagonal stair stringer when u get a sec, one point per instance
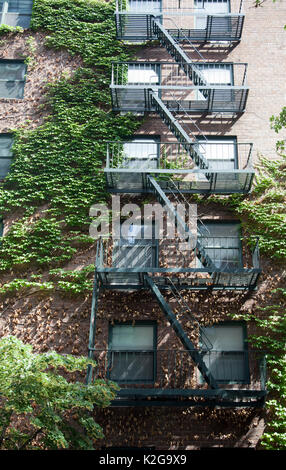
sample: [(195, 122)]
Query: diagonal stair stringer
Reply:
[(185, 340)]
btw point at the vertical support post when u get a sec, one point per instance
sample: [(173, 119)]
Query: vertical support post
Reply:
[(92, 327)]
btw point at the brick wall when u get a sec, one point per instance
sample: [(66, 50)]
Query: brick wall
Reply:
[(263, 47)]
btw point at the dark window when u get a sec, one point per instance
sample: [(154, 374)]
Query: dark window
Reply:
[(16, 12), (222, 243), (132, 352), (12, 78), (6, 142), (227, 360)]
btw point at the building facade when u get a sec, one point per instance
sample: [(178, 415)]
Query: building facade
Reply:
[(162, 319)]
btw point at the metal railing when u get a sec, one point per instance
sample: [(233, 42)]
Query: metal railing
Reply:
[(174, 156), (170, 74), (184, 6), (194, 21), (175, 369), (224, 252)]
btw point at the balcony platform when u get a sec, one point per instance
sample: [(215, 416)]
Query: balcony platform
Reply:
[(190, 88), (167, 263), (128, 166), (177, 381), (183, 19)]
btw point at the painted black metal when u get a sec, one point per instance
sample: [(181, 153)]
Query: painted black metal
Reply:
[(177, 327)]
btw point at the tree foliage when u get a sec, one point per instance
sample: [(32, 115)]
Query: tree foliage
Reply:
[(40, 407)]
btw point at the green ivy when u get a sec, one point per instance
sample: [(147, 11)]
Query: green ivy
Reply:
[(263, 210), (271, 339), (58, 165)]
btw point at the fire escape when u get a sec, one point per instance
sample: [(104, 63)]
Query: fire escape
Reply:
[(200, 260)]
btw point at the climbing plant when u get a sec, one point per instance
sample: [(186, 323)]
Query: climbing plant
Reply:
[(57, 172), (271, 338)]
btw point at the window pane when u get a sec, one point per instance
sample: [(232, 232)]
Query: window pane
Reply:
[(144, 5), (12, 75), (125, 337), (228, 367), (18, 5), (209, 7), (136, 247), (141, 154), (131, 356), (227, 359), (132, 366), (5, 155), (217, 74), (226, 338), (143, 73), (222, 243)]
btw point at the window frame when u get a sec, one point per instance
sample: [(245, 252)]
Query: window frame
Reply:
[(138, 323), (230, 222), (157, 141), (14, 61), (245, 351), (226, 138), (9, 135)]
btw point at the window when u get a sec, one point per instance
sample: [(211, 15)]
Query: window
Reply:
[(143, 73), (137, 247), (228, 359), (144, 5), (221, 154), (6, 142), (217, 74), (12, 78), (132, 352), (210, 7), (141, 152), (221, 241), (16, 12)]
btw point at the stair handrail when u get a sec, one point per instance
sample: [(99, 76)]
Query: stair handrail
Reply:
[(189, 61), (185, 38), (190, 118)]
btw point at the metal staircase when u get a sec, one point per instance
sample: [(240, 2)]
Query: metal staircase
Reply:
[(178, 131), (182, 226), (174, 49), (195, 354)]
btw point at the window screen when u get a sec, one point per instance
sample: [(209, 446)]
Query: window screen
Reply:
[(16, 12), (221, 242), (6, 142), (227, 361), (131, 353), (12, 78)]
